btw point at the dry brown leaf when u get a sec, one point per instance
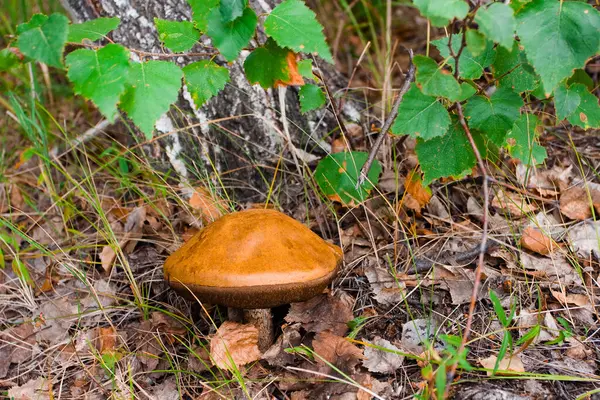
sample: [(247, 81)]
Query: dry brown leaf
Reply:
[(382, 361), (507, 364), (295, 78), (323, 312), (386, 289), (276, 355), (337, 351), (413, 185), (576, 299), (554, 266), (574, 204), (533, 239), (584, 238), (513, 203), (526, 319), (17, 345), (596, 200), (234, 345), (57, 316), (207, 204), (35, 389), (133, 231)]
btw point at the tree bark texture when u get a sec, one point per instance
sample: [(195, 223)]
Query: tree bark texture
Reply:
[(254, 131)]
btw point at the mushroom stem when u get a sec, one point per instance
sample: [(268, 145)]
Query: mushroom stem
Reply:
[(263, 321), (235, 314)]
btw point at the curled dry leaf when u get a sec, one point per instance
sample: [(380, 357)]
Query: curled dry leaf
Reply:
[(337, 351), (276, 355), (506, 365), (533, 239), (513, 203), (323, 312), (575, 204), (417, 196), (234, 345), (382, 361)]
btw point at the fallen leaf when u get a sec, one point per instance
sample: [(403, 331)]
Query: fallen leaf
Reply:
[(276, 354), (207, 204), (17, 345), (323, 312), (133, 229), (527, 319), (413, 186), (166, 390), (513, 203), (337, 351), (555, 267), (574, 299), (35, 389), (57, 316), (386, 289), (418, 334), (575, 204), (533, 239), (199, 359), (507, 364), (234, 345), (578, 350), (584, 238), (382, 361)]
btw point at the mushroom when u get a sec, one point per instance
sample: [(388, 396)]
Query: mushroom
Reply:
[(253, 260)]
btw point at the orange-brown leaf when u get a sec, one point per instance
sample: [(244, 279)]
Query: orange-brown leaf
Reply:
[(295, 78), (234, 345)]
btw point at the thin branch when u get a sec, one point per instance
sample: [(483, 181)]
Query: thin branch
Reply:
[(410, 76)]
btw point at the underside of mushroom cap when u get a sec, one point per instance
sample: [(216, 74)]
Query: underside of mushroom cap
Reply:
[(253, 259)]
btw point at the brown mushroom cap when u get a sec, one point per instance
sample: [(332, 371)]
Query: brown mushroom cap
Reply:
[(253, 259)]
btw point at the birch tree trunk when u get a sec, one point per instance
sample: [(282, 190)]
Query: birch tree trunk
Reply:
[(254, 130)]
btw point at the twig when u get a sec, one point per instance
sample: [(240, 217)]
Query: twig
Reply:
[(410, 76)]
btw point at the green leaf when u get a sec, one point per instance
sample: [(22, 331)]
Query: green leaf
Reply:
[(292, 24), (100, 75), (513, 71), (21, 271), (205, 79), (506, 344), (152, 87), (232, 9), (580, 76), (200, 11), (566, 101), (179, 36), (530, 335), (441, 12), (421, 116), (466, 91), (448, 155), (337, 175), (522, 141), (311, 97), (267, 65), (494, 116), (469, 66), (517, 5), (92, 30), (441, 381), (434, 80), (498, 309), (587, 113), (8, 59), (231, 37), (558, 37), (497, 22), (43, 38), (476, 41), (305, 68)]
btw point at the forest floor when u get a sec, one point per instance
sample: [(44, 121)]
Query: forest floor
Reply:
[(86, 222)]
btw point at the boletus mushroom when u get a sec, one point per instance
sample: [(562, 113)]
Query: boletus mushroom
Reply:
[(253, 260)]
